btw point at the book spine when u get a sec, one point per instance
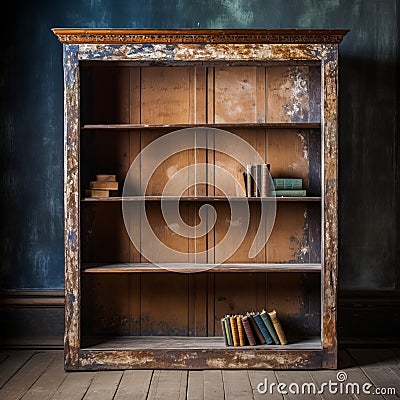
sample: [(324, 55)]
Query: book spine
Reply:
[(263, 329), (278, 327), (256, 329), (249, 331), (224, 331), (259, 179), (249, 181), (265, 183), (288, 183), (234, 329), (270, 327), (242, 336), (228, 331), (254, 173), (289, 193)]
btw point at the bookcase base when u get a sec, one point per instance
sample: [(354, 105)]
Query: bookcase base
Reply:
[(172, 352)]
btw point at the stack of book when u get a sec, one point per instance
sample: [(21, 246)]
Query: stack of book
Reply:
[(288, 187), (257, 180), (252, 329), (103, 186)]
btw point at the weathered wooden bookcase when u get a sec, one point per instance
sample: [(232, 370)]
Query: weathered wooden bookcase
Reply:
[(124, 89)]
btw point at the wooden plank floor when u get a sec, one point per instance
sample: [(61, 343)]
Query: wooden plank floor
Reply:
[(40, 375)]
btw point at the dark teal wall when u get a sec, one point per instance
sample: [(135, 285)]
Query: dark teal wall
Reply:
[(31, 107)]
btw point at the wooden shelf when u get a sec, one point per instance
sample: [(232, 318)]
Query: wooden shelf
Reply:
[(201, 198), (185, 342), (190, 267), (179, 352), (267, 125)]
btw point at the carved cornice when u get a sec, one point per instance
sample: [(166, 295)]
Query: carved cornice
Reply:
[(195, 36)]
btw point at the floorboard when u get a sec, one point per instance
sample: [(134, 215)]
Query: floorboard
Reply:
[(104, 385), (49, 381), (74, 386), (12, 362), (237, 385), (195, 388), (27, 375), (134, 385), (167, 384), (213, 384)]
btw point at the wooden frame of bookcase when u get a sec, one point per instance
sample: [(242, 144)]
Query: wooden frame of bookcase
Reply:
[(174, 46)]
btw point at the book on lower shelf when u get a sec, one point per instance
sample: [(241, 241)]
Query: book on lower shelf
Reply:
[(278, 327), (249, 332), (227, 331), (253, 328), (234, 330), (263, 328), (242, 334), (267, 322)]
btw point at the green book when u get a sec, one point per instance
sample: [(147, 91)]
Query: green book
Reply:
[(289, 193), (228, 331), (288, 183), (267, 322), (224, 331), (263, 328)]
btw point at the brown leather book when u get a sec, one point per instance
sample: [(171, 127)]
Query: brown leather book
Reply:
[(248, 330), (242, 334), (235, 332), (256, 329)]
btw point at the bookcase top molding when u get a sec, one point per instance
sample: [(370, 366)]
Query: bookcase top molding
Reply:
[(198, 36)]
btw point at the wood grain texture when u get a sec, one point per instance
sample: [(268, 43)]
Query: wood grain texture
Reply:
[(19, 383), (103, 385), (47, 384), (168, 385), (134, 385)]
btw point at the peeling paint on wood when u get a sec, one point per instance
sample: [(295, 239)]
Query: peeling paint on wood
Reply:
[(172, 47), (199, 36), (200, 359), (71, 205)]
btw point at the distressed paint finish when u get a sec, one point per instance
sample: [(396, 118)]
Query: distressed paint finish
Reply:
[(168, 49), (206, 52), (223, 358), (330, 217), (71, 206), (130, 36)]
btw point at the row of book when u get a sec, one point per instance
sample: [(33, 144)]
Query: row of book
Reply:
[(103, 186), (258, 183), (252, 329)]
